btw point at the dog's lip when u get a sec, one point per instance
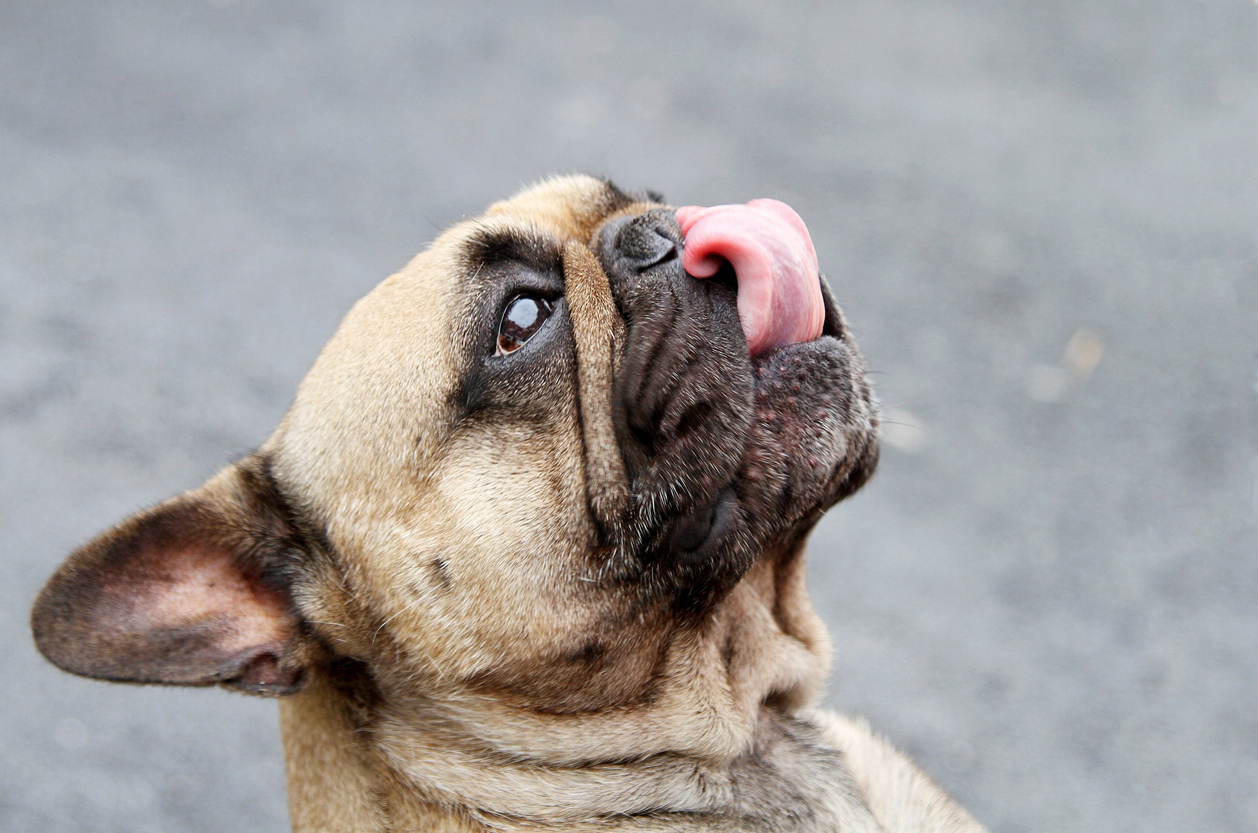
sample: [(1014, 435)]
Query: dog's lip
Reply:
[(779, 284)]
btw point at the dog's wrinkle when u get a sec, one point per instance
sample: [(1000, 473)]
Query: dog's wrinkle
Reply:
[(493, 245), (666, 384), (647, 337), (667, 369), (648, 369), (693, 417), (688, 388), (586, 681)]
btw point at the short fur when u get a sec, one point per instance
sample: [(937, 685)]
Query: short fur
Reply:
[(558, 589)]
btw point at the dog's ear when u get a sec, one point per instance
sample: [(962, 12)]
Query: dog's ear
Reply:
[(194, 591)]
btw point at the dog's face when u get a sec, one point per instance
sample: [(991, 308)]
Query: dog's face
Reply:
[(522, 465)]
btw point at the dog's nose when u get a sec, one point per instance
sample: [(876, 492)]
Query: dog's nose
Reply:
[(642, 242)]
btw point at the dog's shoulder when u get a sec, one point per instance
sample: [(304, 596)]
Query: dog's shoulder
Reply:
[(902, 798)]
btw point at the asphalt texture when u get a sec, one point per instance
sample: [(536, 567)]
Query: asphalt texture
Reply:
[(1041, 218)]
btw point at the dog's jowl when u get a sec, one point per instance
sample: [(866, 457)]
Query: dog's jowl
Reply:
[(527, 551)]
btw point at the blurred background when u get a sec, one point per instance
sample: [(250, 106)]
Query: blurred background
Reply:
[(1040, 216)]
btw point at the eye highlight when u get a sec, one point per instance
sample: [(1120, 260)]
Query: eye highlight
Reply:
[(521, 320)]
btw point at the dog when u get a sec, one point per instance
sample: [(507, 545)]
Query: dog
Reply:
[(526, 554)]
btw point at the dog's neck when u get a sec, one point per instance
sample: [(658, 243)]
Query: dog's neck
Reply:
[(473, 763)]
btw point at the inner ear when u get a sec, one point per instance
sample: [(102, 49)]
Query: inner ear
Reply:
[(191, 592)]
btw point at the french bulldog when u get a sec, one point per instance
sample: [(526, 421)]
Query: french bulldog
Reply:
[(526, 554)]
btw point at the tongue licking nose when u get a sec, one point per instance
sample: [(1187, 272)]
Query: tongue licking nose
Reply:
[(779, 285)]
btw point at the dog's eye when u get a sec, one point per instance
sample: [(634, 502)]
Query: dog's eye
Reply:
[(524, 316)]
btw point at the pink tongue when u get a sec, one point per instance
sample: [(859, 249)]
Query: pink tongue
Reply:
[(779, 288)]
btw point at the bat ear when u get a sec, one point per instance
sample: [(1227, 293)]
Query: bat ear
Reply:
[(194, 591)]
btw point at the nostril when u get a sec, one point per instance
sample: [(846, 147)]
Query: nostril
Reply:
[(646, 242), (645, 247), (666, 256)]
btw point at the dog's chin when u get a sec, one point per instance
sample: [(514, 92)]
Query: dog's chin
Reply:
[(808, 434), (803, 451), (813, 439), (729, 456)]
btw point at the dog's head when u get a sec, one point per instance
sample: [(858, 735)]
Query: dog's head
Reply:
[(523, 465)]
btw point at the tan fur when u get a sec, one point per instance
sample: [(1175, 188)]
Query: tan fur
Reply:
[(462, 598), (903, 798)]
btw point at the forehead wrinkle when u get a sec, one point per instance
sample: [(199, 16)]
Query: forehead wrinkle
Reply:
[(492, 243)]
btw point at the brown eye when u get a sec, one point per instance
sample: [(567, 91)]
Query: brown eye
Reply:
[(524, 316)]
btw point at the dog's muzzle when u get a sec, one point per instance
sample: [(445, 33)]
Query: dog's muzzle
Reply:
[(726, 448)]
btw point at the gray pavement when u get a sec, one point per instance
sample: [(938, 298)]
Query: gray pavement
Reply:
[(1040, 216)]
